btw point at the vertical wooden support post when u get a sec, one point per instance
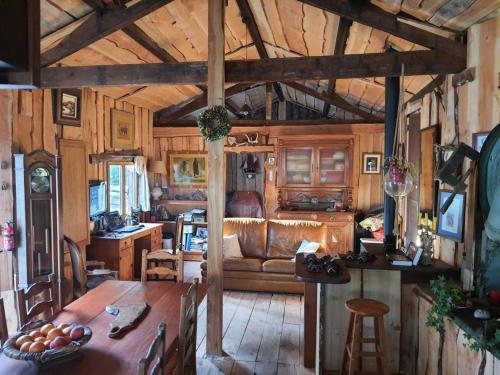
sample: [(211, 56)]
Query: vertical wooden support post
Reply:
[(216, 188), (269, 101)]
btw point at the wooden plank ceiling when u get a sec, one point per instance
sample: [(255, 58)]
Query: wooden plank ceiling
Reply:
[(178, 31)]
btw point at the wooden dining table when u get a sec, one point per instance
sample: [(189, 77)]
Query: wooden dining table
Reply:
[(105, 355)]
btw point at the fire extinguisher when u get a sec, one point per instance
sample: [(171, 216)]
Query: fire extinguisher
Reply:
[(8, 234)]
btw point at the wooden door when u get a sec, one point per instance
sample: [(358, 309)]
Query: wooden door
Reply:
[(412, 202), (75, 216), (297, 166), (126, 263)]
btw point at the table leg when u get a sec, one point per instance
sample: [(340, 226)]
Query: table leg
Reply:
[(310, 324)]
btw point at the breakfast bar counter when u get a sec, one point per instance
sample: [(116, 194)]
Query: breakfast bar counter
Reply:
[(324, 309)]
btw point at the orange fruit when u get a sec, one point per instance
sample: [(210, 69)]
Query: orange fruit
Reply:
[(35, 334), (36, 347), (26, 346), (54, 332), (46, 328), (23, 339)]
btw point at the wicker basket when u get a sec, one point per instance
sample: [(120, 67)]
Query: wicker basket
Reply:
[(50, 356)]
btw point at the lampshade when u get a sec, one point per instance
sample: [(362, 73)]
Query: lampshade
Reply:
[(157, 166)]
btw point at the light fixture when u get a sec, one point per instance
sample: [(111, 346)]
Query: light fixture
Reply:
[(245, 110), (157, 167)]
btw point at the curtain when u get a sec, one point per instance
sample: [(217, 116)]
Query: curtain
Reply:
[(143, 186)]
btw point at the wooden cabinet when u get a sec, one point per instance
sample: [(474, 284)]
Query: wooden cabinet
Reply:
[(126, 263), (156, 238), (322, 164)]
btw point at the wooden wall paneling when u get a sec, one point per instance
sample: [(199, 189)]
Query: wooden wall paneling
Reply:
[(6, 196), (384, 286), (101, 131), (365, 180), (37, 127), (108, 105), (428, 342), (336, 318), (49, 128), (409, 330)]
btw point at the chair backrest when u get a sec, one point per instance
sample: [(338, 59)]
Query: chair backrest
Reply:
[(78, 266), (155, 355), (179, 229), (3, 324), (24, 298), (186, 356), (157, 258)]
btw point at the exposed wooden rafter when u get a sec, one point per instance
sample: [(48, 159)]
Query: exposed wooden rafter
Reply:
[(249, 20), (97, 26), (370, 15), (252, 123), (339, 50), (431, 86), (335, 100), (250, 71), (193, 104)]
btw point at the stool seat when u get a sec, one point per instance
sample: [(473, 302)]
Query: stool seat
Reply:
[(367, 307)]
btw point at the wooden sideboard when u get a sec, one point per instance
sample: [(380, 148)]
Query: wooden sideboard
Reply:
[(340, 226), (122, 252)]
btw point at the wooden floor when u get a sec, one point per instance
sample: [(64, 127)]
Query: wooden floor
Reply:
[(262, 333)]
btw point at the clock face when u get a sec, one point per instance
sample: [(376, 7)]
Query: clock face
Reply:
[(40, 181)]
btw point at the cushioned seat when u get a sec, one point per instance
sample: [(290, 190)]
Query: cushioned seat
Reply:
[(240, 264), (279, 266)]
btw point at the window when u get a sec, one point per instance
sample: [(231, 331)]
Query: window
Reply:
[(122, 187)]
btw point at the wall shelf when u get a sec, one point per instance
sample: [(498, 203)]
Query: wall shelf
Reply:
[(182, 202), (268, 148)]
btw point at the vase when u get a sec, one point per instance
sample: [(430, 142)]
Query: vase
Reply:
[(398, 183)]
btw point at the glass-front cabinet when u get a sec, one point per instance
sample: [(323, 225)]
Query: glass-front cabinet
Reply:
[(319, 165), (38, 205)]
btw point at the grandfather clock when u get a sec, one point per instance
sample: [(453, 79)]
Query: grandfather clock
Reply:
[(38, 211)]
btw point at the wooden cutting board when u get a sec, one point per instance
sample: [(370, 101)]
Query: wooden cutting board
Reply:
[(127, 317)]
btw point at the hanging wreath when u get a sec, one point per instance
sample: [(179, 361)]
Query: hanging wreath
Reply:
[(214, 123)]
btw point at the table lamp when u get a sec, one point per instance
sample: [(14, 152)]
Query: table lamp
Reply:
[(157, 167)]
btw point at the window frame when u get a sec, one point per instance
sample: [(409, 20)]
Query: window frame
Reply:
[(123, 202)]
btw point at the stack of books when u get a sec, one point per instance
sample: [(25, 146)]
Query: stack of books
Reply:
[(197, 215)]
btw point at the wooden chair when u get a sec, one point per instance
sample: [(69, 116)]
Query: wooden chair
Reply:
[(353, 352), (153, 263), (186, 355), (25, 297), (155, 355), (4, 335), (85, 278)]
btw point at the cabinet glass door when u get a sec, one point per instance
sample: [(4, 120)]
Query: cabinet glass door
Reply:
[(298, 164), (41, 237), (332, 166)]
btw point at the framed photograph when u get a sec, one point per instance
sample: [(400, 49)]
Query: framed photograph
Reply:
[(67, 106), (478, 140), (122, 129), (202, 232), (188, 169), (371, 163), (451, 223)]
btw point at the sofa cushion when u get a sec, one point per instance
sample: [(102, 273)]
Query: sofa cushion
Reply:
[(252, 235), (279, 266), (285, 236), (239, 264)]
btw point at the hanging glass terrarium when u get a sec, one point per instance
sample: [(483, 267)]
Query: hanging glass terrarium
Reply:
[(398, 178)]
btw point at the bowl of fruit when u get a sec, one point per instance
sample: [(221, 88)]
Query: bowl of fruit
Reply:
[(46, 343)]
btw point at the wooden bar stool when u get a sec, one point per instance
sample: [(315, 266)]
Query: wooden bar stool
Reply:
[(353, 353)]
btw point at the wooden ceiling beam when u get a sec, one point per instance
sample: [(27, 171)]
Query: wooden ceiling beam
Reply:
[(97, 26), (370, 15), (251, 71), (249, 20), (339, 50), (431, 86), (335, 100), (252, 123), (193, 104)]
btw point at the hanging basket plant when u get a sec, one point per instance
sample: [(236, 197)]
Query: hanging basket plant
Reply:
[(214, 123), (400, 175)]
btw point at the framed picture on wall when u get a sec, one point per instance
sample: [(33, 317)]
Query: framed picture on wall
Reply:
[(371, 163), (188, 169), (67, 105), (451, 223), (122, 129), (478, 140)]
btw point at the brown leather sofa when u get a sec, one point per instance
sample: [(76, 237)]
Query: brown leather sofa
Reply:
[(267, 247)]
